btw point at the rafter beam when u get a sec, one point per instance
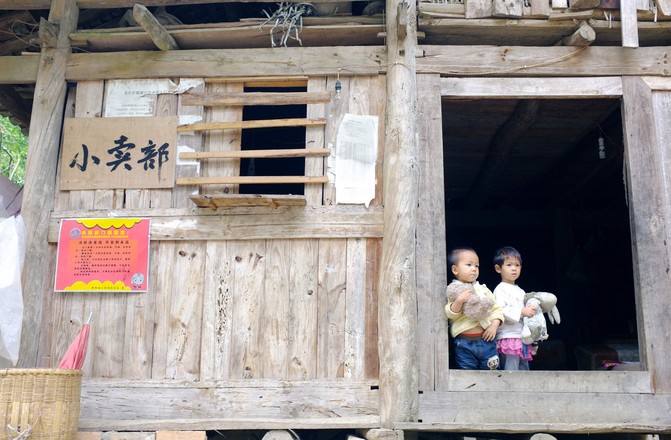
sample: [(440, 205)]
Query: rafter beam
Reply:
[(583, 36), (158, 34)]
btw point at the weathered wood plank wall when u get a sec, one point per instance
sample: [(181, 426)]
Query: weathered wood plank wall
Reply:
[(281, 307)]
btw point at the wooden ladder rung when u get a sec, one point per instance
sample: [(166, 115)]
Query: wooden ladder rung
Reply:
[(241, 180), (206, 126), (239, 154), (255, 98)]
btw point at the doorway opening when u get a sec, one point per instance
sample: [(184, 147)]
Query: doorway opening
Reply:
[(547, 177)]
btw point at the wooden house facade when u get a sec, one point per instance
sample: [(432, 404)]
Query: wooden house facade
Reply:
[(278, 311)]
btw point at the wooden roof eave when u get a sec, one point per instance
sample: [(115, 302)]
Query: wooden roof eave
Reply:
[(112, 4), (231, 36)]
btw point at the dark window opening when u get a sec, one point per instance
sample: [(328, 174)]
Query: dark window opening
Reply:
[(558, 196), (270, 139)]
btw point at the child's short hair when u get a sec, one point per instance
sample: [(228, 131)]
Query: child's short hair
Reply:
[(453, 256), (506, 252)]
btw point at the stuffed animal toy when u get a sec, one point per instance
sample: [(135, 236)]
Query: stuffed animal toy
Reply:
[(535, 327), (478, 307)]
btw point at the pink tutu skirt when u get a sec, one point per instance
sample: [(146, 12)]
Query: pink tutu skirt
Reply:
[(514, 346)]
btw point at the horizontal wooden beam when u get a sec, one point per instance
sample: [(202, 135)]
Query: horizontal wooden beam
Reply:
[(339, 221), (238, 154), (232, 424), (602, 381), (492, 61), (241, 180), (264, 123), (215, 201), (450, 60), (255, 98), (536, 88), (316, 32), (227, 62), (242, 404), (541, 412), (19, 69)]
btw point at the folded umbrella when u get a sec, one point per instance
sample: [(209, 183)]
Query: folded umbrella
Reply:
[(74, 357)]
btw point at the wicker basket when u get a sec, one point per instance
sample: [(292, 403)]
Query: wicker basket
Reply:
[(45, 399)]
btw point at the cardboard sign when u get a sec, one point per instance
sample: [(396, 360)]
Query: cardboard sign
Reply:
[(111, 153), (103, 255)]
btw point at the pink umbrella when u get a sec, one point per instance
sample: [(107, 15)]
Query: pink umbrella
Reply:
[(74, 357)]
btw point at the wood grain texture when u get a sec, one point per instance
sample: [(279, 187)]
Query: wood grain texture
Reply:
[(183, 360), (276, 310), (226, 63), (162, 289), (629, 24), (247, 223), (542, 412), (355, 309), (253, 399), (542, 61), (39, 188), (166, 105), (227, 141), (303, 310), (331, 317), (646, 135), (249, 272), (397, 300), (431, 250), (194, 141), (217, 325), (315, 138)]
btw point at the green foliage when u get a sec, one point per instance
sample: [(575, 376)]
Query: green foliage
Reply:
[(13, 151)]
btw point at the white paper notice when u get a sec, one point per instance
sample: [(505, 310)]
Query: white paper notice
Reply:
[(137, 97), (356, 153)]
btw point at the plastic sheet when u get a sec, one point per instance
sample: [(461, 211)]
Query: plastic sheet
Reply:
[(12, 250)]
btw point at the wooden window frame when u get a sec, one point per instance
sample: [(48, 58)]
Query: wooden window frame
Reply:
[(644, 142)]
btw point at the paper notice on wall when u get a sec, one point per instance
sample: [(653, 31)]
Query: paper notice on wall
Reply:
[(356, 154), (137, 97)]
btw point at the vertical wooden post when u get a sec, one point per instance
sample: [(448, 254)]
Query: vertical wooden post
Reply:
[(647, 135), (629, 23), (38, 197), (397, 299)]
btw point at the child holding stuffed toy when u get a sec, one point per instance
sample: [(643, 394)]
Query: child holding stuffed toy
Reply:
[(515, 355), (474, 314)]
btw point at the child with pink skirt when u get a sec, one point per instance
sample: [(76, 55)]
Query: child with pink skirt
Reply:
[(514, 354)]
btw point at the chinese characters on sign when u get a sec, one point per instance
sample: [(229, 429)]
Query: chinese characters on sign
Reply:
[(97, 255), (112, 153)]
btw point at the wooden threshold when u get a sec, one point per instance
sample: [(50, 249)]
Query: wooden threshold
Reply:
[(215, 201)]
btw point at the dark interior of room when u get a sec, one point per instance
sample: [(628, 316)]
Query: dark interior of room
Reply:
[(270, 139)]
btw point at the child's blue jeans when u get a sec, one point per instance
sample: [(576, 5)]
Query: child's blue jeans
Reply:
[(476, 354)]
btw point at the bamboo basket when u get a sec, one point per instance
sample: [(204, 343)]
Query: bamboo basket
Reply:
[(44, 401)]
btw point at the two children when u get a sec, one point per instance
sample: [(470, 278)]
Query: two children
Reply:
[(486, 324)]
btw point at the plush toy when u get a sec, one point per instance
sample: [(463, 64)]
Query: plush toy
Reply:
[(478, 306), (535, 328)]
